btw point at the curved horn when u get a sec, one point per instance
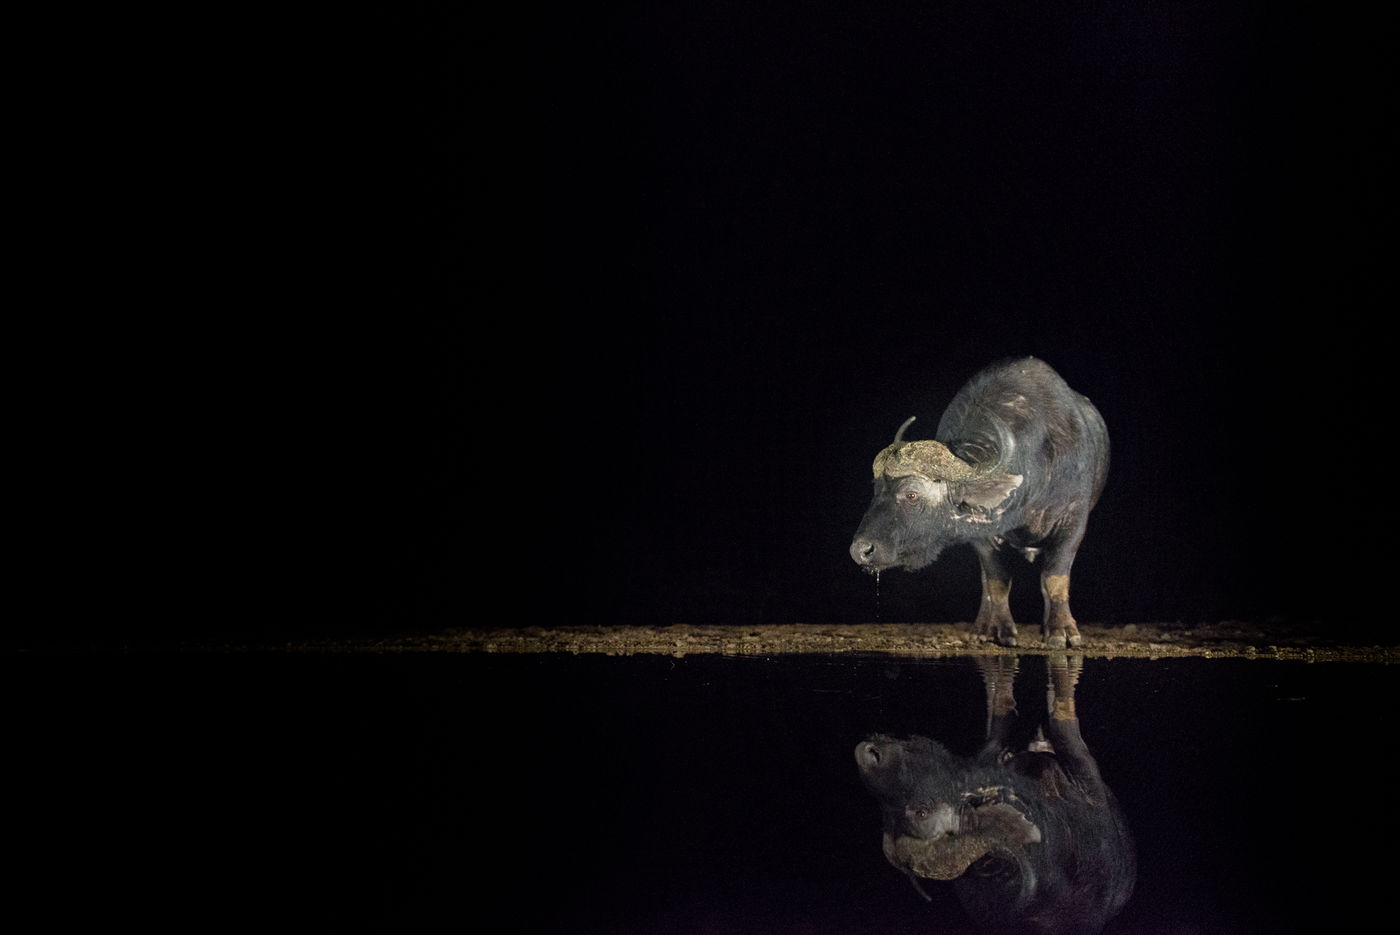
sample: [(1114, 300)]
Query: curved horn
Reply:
[(931, 459), (980, 831)]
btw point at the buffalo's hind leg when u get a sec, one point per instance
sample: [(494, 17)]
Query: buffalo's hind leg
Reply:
[(994, 616)]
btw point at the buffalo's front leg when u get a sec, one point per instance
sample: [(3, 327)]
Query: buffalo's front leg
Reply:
[(994, 616), (1059, 629)]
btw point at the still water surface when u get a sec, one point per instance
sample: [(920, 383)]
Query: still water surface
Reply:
[(552, 793)]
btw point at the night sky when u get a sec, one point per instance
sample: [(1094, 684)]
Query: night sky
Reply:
[(588, 315)]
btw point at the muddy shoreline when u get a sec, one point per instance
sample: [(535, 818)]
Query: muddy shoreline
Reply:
[(1229, 640)]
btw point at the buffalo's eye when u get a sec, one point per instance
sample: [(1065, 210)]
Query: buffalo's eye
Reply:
[(912, 496), (921, 813)]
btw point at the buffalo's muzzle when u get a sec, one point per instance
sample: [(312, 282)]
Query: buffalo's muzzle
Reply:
[(863, 551)]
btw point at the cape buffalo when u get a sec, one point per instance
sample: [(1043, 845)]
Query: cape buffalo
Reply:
[(1018, 462)]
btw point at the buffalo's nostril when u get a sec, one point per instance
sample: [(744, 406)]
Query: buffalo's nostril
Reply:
[(863, 551)]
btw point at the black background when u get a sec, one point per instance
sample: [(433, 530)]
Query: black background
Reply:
[(398, 319), (368, 321), (755, 239)]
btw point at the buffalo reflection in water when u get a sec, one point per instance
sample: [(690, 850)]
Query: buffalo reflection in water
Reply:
[(1027, 831)]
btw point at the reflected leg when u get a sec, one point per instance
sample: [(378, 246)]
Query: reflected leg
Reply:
[(1063, 723), (999, 677), (1059, 687)]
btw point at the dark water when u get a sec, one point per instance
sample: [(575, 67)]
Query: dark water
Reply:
[(649, 794)]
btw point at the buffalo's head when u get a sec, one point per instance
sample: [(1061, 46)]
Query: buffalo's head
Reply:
[(938, 819), (926, 497)]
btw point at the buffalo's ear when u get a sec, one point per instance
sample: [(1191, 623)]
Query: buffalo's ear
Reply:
[(982, 499)]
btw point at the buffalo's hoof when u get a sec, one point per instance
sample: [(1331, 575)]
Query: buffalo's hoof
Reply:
[(999, 630)]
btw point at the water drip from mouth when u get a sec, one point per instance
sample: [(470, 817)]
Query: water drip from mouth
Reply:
[(877, 595)]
